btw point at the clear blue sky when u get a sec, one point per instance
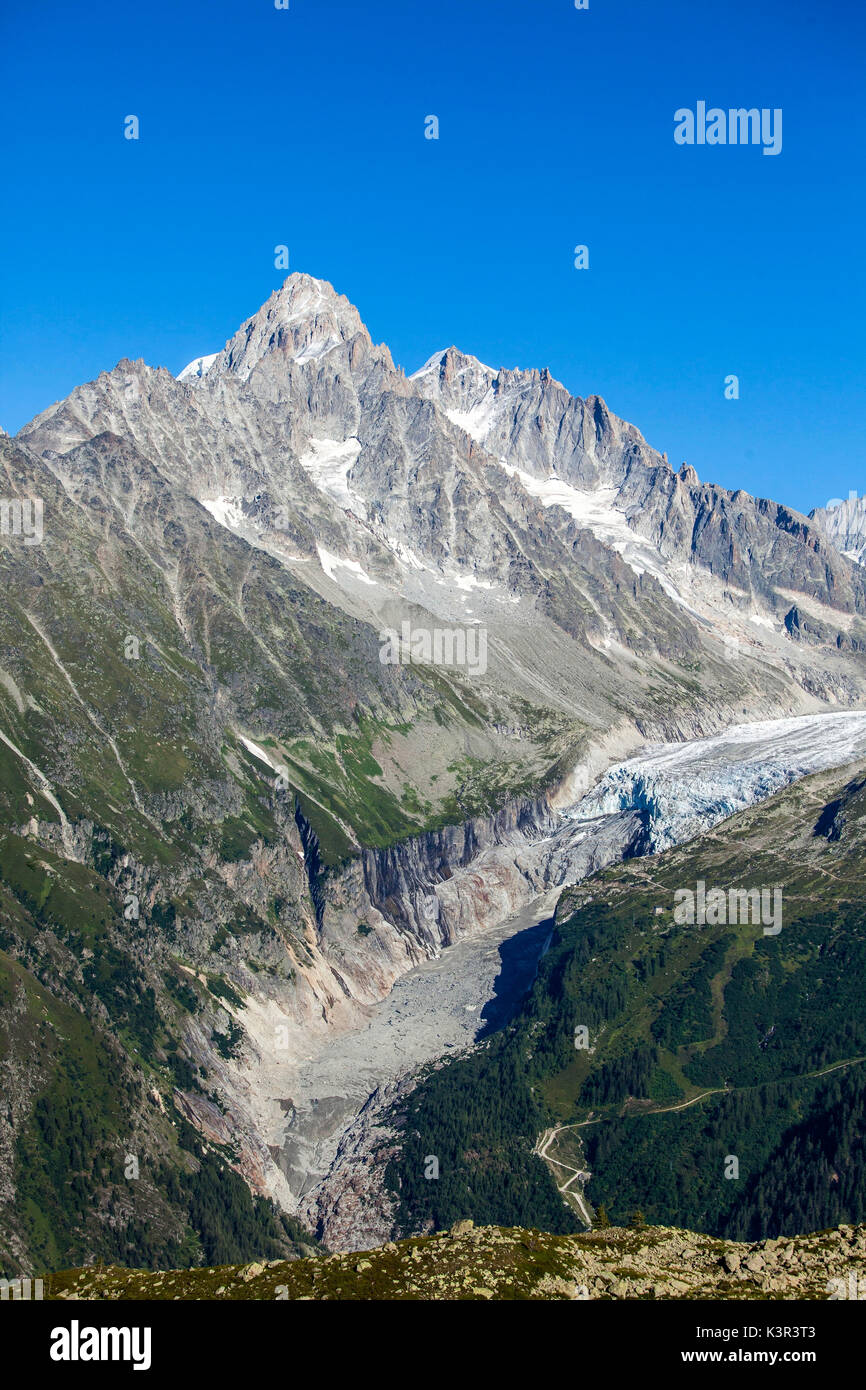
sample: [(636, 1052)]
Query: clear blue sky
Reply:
[(306, 127)]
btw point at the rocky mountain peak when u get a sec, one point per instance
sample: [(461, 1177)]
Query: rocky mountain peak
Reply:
[(302, 321), (302, 297), (457, 381)]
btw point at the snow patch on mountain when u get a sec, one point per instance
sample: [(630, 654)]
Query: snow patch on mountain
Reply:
[(467, 582), (431, 365), (331, 563), (317, 348), (228, 511), (328, 461), (259, 753), (198, 367), (477, 421), (609, 524), (405, 554)]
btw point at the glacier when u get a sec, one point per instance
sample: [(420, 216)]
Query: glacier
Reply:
[(683, 789)]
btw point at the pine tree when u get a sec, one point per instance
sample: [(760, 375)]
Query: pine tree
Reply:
[(637, 1221), (602, 1220)]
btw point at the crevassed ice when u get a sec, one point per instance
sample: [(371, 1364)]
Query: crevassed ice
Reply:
[(686, 788)]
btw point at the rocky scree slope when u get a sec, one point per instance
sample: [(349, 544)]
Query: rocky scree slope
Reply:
[(501, 1263)]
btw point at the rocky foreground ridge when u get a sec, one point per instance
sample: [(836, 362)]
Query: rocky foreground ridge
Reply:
[(492, 1262)]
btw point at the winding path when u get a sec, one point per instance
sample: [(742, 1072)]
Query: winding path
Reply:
[(544, 1141)]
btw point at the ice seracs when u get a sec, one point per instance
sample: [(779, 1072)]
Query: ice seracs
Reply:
[(686, 788)]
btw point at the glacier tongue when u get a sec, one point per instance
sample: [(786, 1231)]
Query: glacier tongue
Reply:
[(684, 789)]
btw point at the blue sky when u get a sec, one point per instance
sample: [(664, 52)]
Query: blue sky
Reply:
[(305, 127)]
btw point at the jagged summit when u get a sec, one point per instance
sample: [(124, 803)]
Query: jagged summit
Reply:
[(303, 320), (451, 362), (300, 395)]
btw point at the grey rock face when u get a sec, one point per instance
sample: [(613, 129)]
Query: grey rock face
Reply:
[(530, 422), (845, 524)]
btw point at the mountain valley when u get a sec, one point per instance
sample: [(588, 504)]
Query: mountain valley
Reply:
[(269, 901)]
